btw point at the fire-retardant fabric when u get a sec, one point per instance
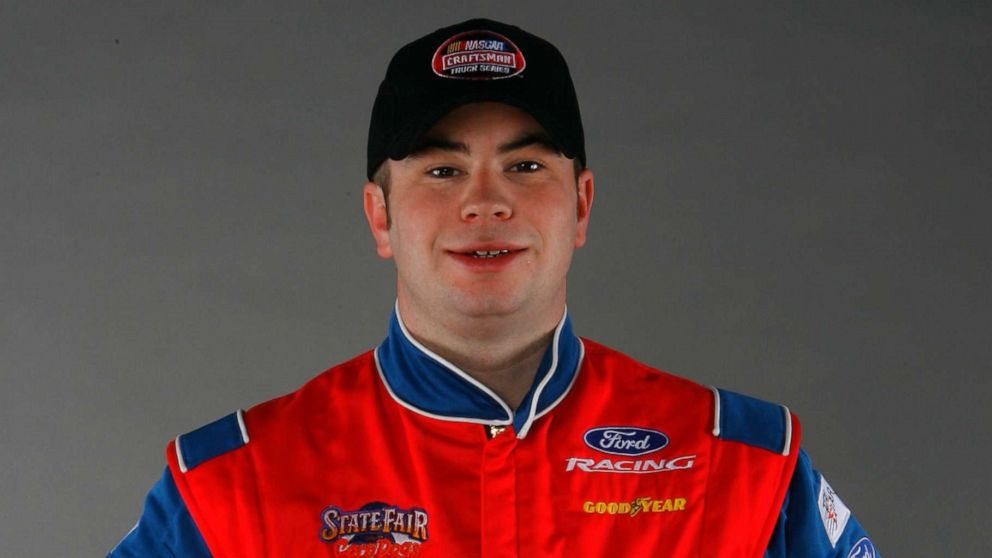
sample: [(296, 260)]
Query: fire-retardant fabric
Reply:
[(399, 453)]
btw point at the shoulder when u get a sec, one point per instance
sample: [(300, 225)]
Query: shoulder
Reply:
[(210, 440), (607, 365), (263, 423), (752, 421), (732, 416)]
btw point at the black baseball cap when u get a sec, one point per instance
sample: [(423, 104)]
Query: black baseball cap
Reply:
[(473, 61)]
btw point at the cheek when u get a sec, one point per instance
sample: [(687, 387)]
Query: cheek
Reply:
[(559, 215), (557, 234), (413, 231)]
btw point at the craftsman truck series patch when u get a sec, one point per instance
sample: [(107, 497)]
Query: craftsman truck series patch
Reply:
[(478, 55)]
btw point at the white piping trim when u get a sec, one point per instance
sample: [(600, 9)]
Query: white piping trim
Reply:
[(420, 411), (458, 371), (531, 415), (716, 410), (132, 530), (788, 430), (241, 425), (578, 366), (179, 456)]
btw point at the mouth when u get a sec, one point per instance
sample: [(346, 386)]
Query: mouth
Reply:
[(487, 254), (487, 258)]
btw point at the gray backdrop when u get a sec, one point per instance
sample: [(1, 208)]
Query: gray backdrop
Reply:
[(792, 202)]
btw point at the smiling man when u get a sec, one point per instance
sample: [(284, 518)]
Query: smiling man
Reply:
[(482, 425), (482, 218)]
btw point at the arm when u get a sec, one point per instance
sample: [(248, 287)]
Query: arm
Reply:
[(815, 523), (165, 528)]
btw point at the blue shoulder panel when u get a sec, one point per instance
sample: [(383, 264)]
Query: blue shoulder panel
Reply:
[(209, 441), (740, 418), (805, 522), (166, 529)]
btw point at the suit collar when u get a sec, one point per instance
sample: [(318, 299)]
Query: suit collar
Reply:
[(426, 383)]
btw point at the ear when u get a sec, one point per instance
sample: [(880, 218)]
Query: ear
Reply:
[(378, 218), (584, 206)]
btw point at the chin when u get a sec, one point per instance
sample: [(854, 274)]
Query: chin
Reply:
[(487, 304)]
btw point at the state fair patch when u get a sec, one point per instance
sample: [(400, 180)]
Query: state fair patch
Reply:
[(833, 512), (478, 55)]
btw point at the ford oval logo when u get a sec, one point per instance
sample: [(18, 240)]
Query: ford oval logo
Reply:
[(625, 440)]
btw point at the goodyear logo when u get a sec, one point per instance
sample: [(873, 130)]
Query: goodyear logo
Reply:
[(375, 529), (478, 55), (636, 506)]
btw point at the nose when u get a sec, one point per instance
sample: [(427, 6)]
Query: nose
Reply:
[(486, 197)]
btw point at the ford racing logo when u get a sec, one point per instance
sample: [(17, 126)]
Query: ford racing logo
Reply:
[(625, 440)]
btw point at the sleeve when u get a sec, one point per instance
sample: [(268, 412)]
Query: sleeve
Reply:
[(165, 529), (815, 523)]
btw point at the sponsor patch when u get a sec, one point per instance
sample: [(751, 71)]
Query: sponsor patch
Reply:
[(636, 506), (635, 466), (833, 512), (478, 55), (625, 440), (862, 549), (375, 529)]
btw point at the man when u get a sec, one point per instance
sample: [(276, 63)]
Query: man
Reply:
[(482, 426)]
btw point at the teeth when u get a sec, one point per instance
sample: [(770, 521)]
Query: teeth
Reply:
[(489, 253)]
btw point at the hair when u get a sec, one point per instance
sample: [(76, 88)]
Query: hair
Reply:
[(381, 178)]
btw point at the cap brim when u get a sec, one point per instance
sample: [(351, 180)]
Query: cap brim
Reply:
[(408, 137)]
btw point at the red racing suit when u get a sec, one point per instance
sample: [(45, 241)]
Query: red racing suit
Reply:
[(399, 453)]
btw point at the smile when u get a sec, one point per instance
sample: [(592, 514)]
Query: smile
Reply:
[(488, 253), (487, 259)]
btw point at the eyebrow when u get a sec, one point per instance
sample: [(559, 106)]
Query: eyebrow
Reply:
[(430, 143), (441, 143), (540, 139)]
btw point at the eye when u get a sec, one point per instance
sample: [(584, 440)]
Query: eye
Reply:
[(443, 172), (527, 166)]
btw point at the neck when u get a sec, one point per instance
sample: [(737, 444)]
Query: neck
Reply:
[(503, 353)]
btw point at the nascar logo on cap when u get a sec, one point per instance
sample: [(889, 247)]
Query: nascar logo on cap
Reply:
[(478, 55)]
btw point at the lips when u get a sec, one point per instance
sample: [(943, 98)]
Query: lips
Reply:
[(487, 253), (487, 257), (489, 249)]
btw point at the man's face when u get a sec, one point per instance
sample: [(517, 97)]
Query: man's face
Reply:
[(483, 217)]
